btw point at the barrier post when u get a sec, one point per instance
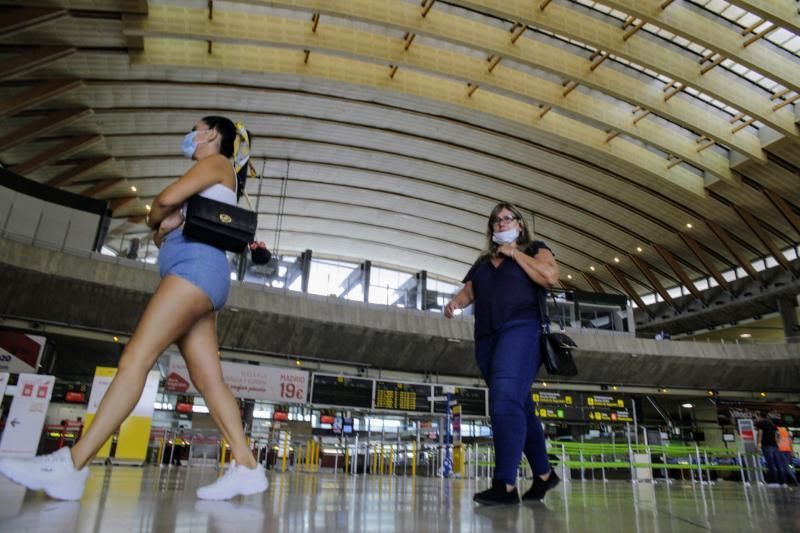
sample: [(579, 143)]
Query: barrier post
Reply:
[(740, 460), (414, 460), (222, 445), (285, 451), (699, 465), (161, 449)]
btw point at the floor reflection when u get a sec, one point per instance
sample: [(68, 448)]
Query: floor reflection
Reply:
[(163, 499)]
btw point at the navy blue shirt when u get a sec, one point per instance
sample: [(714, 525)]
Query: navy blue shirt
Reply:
[(504, 293)]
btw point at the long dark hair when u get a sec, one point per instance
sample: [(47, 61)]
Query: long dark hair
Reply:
[(523, 239), (227, 132)]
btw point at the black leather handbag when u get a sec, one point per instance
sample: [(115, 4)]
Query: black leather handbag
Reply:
[(221, 225), (556, 348)]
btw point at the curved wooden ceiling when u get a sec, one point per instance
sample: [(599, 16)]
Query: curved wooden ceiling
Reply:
[(400, 124)]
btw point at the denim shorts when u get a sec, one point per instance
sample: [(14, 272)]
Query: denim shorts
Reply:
[(200, 264)]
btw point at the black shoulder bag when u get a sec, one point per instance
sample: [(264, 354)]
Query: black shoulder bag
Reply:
[(225, 226), (556, 348)]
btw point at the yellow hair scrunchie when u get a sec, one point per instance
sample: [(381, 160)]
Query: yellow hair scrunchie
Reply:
[(241, 148)]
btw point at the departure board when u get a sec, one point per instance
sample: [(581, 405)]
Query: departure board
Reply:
[(397, 396), (472, 400), (341, 391), (557, 405)]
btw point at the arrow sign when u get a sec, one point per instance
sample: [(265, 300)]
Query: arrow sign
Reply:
[(14, 422)]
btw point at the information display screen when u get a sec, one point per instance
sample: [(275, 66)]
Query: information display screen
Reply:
[(557, 405), (472, 400), (341, 391), (397, 396)]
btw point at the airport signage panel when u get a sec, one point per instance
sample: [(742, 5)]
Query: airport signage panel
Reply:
[(19, 352), (341, 391), (255, 382), (474, 401), (400, 396), (26, 416)]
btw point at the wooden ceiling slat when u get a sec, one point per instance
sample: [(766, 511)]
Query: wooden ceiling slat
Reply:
[(36, 95), (101, 187), (679, 271), (25, 18), (785, 209), (645, 268), (726, 240), (704, 259), (758, 230), (63, 149), (38, 58), (593, 282), (50, 122), (78, 171), (626, 286)]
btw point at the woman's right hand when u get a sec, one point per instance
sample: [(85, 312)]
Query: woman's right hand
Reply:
[(450, 309), (172, 221)]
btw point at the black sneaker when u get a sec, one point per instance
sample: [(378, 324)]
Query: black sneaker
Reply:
[(539, 488), (497, 495)]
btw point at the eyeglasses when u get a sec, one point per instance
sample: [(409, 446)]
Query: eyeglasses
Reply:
[(498, 220)]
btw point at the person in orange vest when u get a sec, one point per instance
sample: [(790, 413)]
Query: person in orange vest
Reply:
[(786, 451)]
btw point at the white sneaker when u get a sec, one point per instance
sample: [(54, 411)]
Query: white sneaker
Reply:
[(238, 480), (54, 473)]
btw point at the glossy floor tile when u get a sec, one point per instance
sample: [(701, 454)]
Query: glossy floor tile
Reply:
[(162, 499)]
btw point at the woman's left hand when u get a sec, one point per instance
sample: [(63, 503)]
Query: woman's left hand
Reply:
[(508, 250)]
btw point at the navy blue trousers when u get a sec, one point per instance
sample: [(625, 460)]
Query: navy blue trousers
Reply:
[(509, 360)]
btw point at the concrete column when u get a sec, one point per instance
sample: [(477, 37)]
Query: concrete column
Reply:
[(366, 275), (787, 310), (422, 289), (305, 266)]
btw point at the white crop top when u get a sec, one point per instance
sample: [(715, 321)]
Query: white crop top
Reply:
[(218, 192)]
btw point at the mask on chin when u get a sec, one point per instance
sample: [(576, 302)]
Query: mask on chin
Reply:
[(505, 237)]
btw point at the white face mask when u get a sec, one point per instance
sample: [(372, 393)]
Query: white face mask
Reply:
[(505, 237)]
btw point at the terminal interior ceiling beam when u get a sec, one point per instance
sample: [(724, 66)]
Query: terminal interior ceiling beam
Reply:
[(565, 20), (355, 44), (407, 119), (781, 13), (685, 20)]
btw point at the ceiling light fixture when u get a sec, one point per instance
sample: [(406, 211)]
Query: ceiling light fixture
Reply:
[(687, 405), (639, 249), (616, 259), (689, 225), (133, 188)]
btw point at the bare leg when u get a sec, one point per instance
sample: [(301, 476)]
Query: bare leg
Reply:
[(175, 306), (199, 348)]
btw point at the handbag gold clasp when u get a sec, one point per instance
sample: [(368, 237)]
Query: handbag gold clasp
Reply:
[(225, 218)]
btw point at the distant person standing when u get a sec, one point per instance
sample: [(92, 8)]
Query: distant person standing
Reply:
[(768, 444), (786, 452), (506, 283)]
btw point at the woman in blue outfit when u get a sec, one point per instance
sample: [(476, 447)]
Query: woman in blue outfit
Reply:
[(195, 280), (504, 283)]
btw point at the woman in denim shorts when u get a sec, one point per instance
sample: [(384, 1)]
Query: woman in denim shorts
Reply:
[(195, 280)]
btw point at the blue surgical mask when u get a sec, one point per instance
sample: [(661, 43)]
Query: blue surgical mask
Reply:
[(505, 237), (189, 145)]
